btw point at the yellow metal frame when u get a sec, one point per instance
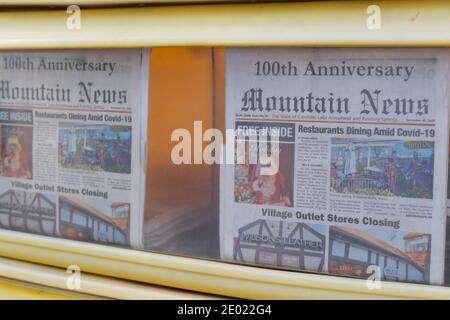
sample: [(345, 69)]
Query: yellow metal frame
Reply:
[(54, 280), (342, 23), (13, 290), (91, 3), (200, 275), (322, 23)]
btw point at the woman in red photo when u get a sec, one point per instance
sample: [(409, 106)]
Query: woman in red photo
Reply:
[(270, 189), (16, 159)]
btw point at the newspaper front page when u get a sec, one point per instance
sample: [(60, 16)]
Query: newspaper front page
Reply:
[(72, 125), (361, 155)]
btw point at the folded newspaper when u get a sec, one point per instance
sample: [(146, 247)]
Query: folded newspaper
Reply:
[(337, 151), (72, 143)]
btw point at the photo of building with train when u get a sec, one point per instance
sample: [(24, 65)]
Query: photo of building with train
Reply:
[(405, 258), (75, 219), (79, 220)]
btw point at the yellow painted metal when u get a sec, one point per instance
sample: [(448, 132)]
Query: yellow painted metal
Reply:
[(90, 3), (90, 284), (319, 23), (21, 291), (200, 275)]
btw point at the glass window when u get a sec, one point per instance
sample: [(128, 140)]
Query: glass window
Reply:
[(4, 220), (338, 248), (391, 262), (103, 227), (421, 247), (110, 233), (48, 227), (33, 226), (18, 222), (290, 261), (102, 232), (415, 274), (373, 258), (79, 218), (120, 237), (65, 214), (205, 210), (268, 258), (381, 260), (313, 263), (402, 271), (358, 253)]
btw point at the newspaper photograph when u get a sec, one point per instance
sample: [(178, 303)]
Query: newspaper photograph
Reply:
[(71, 143), (338, 154)]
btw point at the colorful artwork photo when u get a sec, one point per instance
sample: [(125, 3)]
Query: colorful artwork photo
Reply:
[(95, 147), (16, 152), (250, 186), (382, 167)]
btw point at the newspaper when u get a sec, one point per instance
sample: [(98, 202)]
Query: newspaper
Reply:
[(72, 141), (353, 139), (447, 243)]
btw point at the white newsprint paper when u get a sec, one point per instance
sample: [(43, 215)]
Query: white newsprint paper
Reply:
[(360, 188), (72, 143)]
